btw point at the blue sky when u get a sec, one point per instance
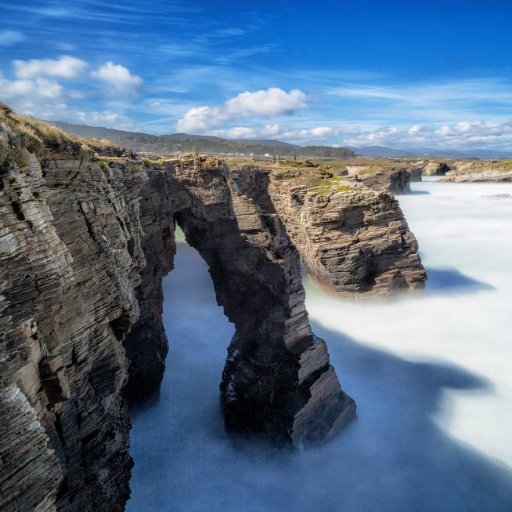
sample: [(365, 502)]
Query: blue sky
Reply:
[(434, 73)]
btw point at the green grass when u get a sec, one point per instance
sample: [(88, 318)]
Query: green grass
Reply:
[(331, 185)]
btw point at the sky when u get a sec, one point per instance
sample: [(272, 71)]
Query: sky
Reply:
[(403, 74)]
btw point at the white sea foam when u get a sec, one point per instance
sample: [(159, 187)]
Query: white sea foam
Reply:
[(465, 236)]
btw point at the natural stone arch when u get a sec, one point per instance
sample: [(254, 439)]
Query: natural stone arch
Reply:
[(277, 378)]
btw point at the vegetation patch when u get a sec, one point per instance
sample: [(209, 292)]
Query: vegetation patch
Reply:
[(331, 185)]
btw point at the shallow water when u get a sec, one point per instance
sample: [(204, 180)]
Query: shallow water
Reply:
[(431, 377)]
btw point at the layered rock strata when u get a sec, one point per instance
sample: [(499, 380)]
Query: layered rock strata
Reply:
[(483, 171), (382, 177), (70, 256), (351, 238)]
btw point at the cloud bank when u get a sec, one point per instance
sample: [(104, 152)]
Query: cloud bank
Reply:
[(53, 89), (63, 67)]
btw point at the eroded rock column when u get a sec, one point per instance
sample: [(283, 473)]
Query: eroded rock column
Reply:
[(277, 377)]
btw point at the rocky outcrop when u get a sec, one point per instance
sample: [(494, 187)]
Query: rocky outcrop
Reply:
[(86, 235), (434, 168), (416, 170), (480, 172), (277, 377), (146, 344), (70, 256), (83, 246), (352, 239), (382, 177)]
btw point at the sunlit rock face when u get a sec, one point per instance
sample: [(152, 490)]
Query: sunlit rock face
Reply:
[(484, 171), (382, 176), (353, 239), (434, 168), (86, 235)]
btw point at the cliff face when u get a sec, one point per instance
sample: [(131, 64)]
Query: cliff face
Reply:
[(70, 258), (435, 169), (383, 177), (351, 238), (84, 243)]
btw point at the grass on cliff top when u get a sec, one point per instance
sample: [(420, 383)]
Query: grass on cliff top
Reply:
[(19, 132), (488, 165)]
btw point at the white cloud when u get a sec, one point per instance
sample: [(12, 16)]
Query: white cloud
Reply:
[(35, 89), (318, 134), (106, 118), (321, 131), (461, 135), (270, 130), (10, 37), (266, 103), (63, 67), (315, 135), (44, 98), (42, 88), (118, 77), (200, 119)]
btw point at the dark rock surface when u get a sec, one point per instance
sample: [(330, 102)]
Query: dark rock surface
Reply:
[(68, 275)]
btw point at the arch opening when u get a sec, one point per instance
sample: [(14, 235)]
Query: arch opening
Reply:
[(277, 378)]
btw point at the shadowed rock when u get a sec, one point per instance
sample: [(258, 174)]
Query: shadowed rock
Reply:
[(277, 377)]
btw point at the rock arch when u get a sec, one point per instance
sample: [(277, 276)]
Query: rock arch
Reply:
[(277, 378)]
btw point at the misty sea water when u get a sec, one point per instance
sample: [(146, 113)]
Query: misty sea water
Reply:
[(430, 374)]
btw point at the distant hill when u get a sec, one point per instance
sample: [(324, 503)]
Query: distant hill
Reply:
[(201, 143), (381, 151)]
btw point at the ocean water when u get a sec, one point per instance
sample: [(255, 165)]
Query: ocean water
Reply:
[(432, 377)]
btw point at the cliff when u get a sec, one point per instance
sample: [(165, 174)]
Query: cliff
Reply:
[(435, 168), (351, 238), (382, 176), (86, 235), (480, 171)]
